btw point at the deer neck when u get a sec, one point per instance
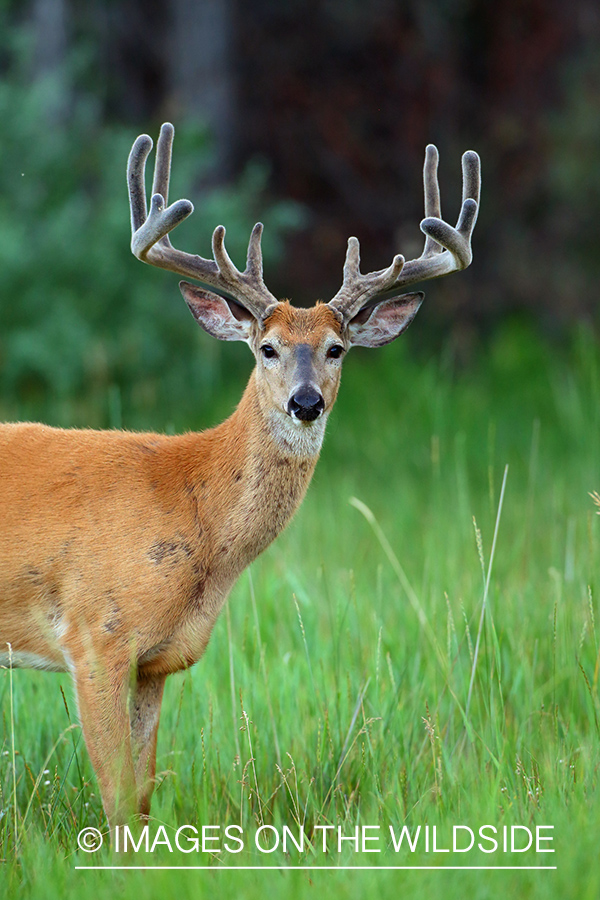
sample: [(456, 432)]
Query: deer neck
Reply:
[(262, 467)]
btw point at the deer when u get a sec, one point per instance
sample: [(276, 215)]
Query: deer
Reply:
[(119, 548)]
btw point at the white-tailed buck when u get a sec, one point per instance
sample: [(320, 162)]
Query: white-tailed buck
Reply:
[(119, 549)]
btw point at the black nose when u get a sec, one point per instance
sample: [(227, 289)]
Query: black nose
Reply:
[(306, 404)]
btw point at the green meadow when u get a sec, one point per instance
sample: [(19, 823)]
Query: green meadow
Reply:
[(419, 649)]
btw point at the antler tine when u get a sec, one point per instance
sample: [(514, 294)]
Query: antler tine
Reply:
[(222, 258), (357, 290), (162, 166), (254, 262), (248, 284), (150, 234), (453, 251), (136, 167), (148, 228), (471, 169), (446, 249), (431, 190)]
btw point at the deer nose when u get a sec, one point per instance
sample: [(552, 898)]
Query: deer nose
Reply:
[(306, 404)]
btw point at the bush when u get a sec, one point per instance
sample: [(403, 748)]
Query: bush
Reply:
[(79, 316)]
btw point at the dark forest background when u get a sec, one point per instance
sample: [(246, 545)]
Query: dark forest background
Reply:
[(312, 116)]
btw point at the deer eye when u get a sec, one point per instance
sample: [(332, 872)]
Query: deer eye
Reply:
[(268, 352), (335, 352)]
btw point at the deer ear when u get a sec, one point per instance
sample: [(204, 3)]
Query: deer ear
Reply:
[(378, 325), (223, 319)]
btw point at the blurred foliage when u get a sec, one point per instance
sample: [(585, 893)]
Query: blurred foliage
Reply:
[(574, 153), (341, 99), (517, 81), (79, 316)]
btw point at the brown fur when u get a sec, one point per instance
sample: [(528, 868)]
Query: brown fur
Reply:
[(119, 549), (304, 324)]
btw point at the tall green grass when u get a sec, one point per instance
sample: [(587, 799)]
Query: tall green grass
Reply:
[(353, 680)]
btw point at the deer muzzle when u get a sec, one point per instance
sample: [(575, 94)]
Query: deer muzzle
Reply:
[(306, 404)]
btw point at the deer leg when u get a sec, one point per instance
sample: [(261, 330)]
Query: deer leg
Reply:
[(144, 714), (102, 694)]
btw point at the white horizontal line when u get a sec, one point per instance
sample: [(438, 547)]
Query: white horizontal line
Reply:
[(330, 868)]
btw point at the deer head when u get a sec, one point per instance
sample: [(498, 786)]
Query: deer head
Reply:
[(298, 352)]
